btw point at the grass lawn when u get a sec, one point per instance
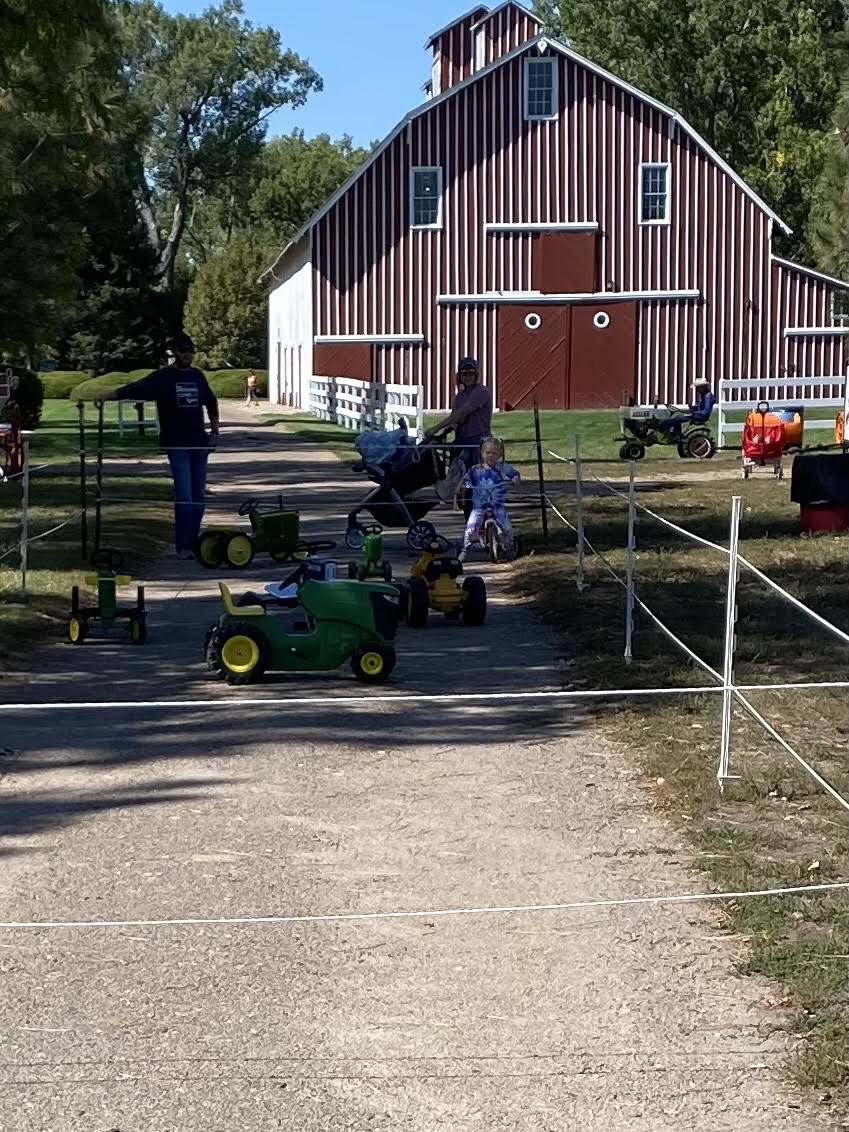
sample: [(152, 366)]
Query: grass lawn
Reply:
[(774, 826), (139, 526)]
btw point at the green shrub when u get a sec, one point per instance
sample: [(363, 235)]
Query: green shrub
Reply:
[(60, 382), (96, 386), (138, 374), (28, 396), (231, 382)]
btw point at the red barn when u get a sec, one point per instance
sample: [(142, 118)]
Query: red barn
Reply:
[(577, 236)]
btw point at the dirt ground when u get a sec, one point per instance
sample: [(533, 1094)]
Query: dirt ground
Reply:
[(623, 1019)]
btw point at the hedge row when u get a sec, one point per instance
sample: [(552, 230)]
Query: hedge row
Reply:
[(224, 383)]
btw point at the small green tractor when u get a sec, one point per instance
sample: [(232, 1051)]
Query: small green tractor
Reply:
[(275, 530), (107, 613), (372, 563)]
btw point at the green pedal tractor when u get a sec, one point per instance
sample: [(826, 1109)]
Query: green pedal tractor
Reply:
[(372, 564), (107, 613), (275, 530), (316, 628)]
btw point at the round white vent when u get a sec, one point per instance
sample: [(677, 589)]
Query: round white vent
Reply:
[(601, 319), (533, 321)]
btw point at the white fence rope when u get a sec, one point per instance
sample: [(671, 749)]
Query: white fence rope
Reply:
[(430, 913), (726, 683), (289, 702)]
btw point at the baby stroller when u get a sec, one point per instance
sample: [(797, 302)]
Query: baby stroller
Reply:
[(399, 466), (764, 438)]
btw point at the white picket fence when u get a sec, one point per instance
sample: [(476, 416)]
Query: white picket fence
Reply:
[(744, 394), (361, 405)]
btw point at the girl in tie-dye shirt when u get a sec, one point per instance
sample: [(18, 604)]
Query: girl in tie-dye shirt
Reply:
[(488, 482)]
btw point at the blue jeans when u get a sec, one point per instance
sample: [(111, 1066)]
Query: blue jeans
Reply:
[(188, 470)]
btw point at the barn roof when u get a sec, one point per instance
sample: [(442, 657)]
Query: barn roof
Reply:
[(507, 4), (478, 10), (540, 43)]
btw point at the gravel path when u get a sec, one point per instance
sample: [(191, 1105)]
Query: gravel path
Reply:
[(623, 1019)]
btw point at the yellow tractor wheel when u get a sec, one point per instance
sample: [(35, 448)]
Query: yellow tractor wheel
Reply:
[(239, 551)]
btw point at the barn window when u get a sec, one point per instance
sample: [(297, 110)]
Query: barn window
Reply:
[(540, 88), (426, 197), (654, 203)]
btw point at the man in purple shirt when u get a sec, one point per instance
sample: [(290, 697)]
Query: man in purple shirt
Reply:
[(471, 413)]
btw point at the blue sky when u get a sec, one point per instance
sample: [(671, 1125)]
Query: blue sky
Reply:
[(370, 54)]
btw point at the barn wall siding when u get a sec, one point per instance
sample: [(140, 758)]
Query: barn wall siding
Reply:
[(290, 331), (376, 275)]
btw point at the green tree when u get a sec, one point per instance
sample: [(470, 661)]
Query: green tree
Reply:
[(226, 309), (205, 86), (829, 226), (58, 73), (293, 177), (757, 78)]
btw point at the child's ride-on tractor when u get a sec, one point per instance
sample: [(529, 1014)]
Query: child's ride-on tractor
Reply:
[(107, 611), (275, 530), (322, 626), (434, 583), (373, 564)]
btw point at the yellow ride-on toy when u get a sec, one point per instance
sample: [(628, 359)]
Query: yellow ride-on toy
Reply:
[(434, 583)]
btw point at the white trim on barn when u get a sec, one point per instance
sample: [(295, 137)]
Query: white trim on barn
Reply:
[(380, 339), (814, 331), (538, 299), (844, 283), (541, 226)]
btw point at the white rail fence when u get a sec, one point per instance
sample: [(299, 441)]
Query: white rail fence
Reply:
[(724, 682), (361, 405), (743, 394)]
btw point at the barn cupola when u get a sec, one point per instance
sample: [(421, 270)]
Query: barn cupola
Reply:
[(475, 39)]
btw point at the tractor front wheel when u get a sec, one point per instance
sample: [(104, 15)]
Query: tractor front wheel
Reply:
[(77, 629), (242, 654), (138, 628), (474, 600), (373, 665)]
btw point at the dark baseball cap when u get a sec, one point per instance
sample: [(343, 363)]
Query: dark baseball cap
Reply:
[(181, 342), (467, 363)]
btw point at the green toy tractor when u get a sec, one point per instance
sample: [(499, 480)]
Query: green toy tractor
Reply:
[(275, 530), (324, 624), (373, 564), (107, 612)]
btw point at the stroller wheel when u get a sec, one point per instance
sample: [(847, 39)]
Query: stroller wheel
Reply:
[(355, 537), (420, 535)]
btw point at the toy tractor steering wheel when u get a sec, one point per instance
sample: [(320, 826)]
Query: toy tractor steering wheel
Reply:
[(440, 544), (249, 506), (109, 557)]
